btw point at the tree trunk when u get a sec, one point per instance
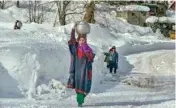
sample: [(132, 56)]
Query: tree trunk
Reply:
[(55, 20), (18, 3), (2, 3), (89, 15), (62, 19)]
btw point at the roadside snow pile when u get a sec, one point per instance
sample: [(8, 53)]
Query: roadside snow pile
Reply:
[(164, 63), (152, 69), (36, 56), (33, 58), (54, 89), (28, 64)]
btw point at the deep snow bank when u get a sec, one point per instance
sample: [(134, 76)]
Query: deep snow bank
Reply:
[(34, 60), (154, 69), (35, 56)]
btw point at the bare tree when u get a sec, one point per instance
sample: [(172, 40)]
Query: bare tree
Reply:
[(62, 6), (64, 9), (2, 4), (36, 11), (5, 4), (18, 3), (89, 15)]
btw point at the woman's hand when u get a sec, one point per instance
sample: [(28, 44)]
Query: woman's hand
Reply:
[(75, 24)]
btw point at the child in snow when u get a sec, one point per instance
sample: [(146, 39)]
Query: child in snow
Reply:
[(81, 66), (112, 59), (107, 58), (18, 24)]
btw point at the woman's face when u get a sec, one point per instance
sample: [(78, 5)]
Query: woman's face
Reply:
[(81, 41), (113, 50)]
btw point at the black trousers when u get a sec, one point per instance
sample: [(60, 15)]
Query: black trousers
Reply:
[(113, 65)]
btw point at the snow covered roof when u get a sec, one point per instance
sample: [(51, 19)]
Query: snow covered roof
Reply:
[(167, 19), (150, 5), (163, 19), (133, 8), (122, 8), (171, 19), (153, 19)]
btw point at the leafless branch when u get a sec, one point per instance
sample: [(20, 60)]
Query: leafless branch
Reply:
[(75, 13)]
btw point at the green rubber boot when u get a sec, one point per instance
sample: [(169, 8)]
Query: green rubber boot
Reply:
[(80, 99)]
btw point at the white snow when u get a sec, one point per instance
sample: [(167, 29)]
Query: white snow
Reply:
[(133, 8), (120, 27), (173, 27), (152, 19), (170, 13), (12, 14), (106, 7), (163, 19), (34, 64)]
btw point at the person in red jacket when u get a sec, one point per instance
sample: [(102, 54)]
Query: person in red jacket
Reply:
[(82, 56)]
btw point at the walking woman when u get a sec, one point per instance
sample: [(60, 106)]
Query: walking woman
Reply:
[(81, 66)]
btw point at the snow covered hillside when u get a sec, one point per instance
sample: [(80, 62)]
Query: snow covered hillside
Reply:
[(34, 64)]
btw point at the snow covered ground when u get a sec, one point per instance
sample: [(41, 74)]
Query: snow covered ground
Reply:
[(34, 63)]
